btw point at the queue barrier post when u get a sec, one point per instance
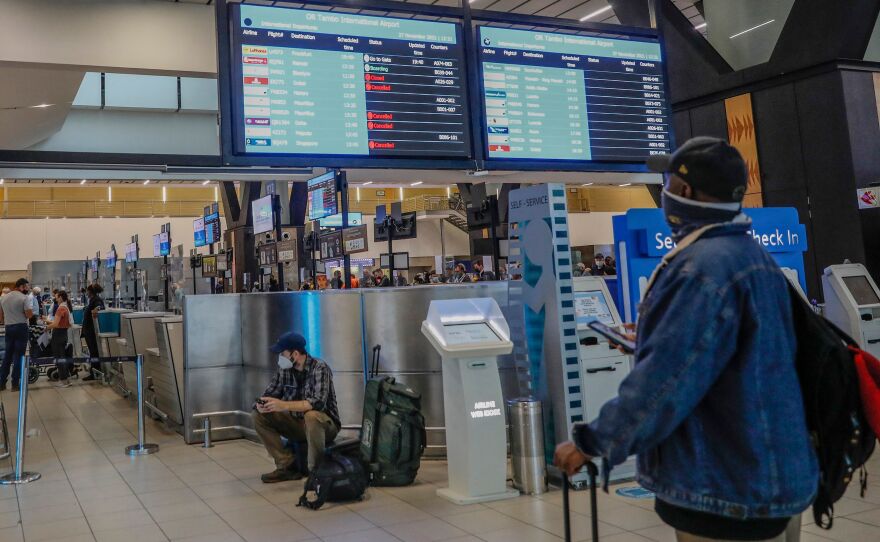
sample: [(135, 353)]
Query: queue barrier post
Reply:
[(141, 448), (19, 476), (6, 445), (207, 443)]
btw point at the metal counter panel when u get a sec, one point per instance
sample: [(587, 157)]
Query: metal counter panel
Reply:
[(165, 373), (330, 322), (212, 324), (211, 389)]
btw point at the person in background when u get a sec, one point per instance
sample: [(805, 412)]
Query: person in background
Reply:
[(400, 280), (458, 275), (300, 405), (59, 326), (610, 266), (713, 407), (273, 285), (598, 267), (16, 311), (336, 282), (355, 283), (480, 274), (580, 269), (380, 279), (54, 299), (83, 298), (89, 332), (367, 279), (306, 285), (34, 301)]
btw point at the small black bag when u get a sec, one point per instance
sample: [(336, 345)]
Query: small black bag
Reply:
[(339, 477)]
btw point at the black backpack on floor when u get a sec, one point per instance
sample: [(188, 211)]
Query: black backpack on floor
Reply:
[(393, 431), (340, 477), (839, 429)]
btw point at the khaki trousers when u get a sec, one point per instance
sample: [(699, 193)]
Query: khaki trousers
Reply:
[(315, 428), (791, 534)]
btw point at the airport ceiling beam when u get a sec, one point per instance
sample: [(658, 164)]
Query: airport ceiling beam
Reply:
[(695, 68), (819, 31), (134, 36), (632, 12)]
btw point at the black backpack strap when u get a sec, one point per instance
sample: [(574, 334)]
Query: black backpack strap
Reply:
[(321, 493), (823, 510)]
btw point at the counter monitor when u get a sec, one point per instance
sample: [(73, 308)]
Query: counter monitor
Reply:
[(199, 232), (263, 216), (592, 307), (564, 97), (861, 290), (479, 333), (320, 83)]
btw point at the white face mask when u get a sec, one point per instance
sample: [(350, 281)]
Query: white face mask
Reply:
[(284, 363)]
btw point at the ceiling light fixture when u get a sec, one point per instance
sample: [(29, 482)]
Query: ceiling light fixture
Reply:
[(626, 184), (82, 181), (110, 194), (401, 193), (164, 195), (416, 183), (41, 106), (765, 23), (2, 181), (700, 26), (147, 182), (587, 184), (368, 183), (597, 12), (205, 182)]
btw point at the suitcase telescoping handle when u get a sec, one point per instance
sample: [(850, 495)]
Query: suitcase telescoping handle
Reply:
[(374, 363), (592, 472)]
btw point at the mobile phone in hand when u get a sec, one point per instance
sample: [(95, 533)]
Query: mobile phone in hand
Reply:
[(614, 336)]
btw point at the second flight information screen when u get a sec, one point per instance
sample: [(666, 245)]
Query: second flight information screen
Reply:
[(327, 83), (555, 96)]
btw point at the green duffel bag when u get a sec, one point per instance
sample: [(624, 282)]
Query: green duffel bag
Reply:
[(393, 431)]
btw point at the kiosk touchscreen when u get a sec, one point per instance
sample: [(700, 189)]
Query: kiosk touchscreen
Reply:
[(603, 366), (470, 334), (852, 302)]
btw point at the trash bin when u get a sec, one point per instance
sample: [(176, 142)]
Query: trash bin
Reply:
[(525, 416)]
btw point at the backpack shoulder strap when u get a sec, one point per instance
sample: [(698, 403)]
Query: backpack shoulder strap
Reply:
[(322, 491)]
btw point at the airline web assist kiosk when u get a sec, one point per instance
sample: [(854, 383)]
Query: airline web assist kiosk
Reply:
[(603, 366), (469, 334), (852, 302)]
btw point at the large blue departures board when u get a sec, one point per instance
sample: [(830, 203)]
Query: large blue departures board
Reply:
[(555, 96), (327, 83)]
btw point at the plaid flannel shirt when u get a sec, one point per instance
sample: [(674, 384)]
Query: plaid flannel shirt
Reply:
[(317, 390)]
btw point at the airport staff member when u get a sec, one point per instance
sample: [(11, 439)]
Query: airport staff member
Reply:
[(88, 332), (15, 313), (300, 405), (713, 406)]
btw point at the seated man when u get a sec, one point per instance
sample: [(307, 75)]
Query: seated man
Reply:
[(300, 405)]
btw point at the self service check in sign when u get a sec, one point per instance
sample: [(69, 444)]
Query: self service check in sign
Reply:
[(642, 238)]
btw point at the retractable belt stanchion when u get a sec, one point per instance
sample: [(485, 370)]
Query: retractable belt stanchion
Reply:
[(141, 448), (17, 476)]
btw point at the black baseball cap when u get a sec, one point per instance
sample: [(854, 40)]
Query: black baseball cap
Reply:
[(708, 164), (289, 341)]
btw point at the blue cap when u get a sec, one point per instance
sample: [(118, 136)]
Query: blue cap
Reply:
[(289, 341)]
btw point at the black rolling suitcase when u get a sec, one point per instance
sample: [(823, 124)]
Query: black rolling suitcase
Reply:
[(592, 472)]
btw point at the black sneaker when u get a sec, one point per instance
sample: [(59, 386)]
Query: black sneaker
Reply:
[(280, 475)]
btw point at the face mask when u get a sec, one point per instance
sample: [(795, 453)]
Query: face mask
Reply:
[(600, 264), (284, 363), (685, 216)]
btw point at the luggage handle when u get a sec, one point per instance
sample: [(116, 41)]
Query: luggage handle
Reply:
[(592, 472), (374, 363)]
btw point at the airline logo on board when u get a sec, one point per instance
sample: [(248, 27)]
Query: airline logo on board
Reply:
[(251, 50), (255, 60), (499, 148), (257, 121), (256, 80)]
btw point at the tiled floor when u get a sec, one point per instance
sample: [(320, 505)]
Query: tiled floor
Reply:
[(90, 490)]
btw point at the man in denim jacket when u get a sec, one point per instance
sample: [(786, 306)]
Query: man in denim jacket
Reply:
[(713, 407)]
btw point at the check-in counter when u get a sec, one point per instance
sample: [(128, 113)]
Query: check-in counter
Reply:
[(137, 336), (165, 366), (108, 326)]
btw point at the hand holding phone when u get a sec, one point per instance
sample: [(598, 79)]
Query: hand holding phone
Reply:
[(622, 341)]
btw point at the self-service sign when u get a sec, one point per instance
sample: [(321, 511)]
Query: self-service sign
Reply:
[(642, 238)]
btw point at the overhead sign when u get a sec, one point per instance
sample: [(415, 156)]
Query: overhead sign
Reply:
[(355, 239), (869, 198), (642, 238), (287, 250), (330, 245)]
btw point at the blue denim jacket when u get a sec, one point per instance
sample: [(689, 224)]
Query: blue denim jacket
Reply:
[(713, 406)]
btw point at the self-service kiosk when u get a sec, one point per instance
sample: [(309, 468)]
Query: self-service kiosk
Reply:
[(603, 366), (792, 276), (852, 302), (470, 334)]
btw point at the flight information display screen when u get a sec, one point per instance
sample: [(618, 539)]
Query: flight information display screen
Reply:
[(556, 96), (323, 197), (327, 83)]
